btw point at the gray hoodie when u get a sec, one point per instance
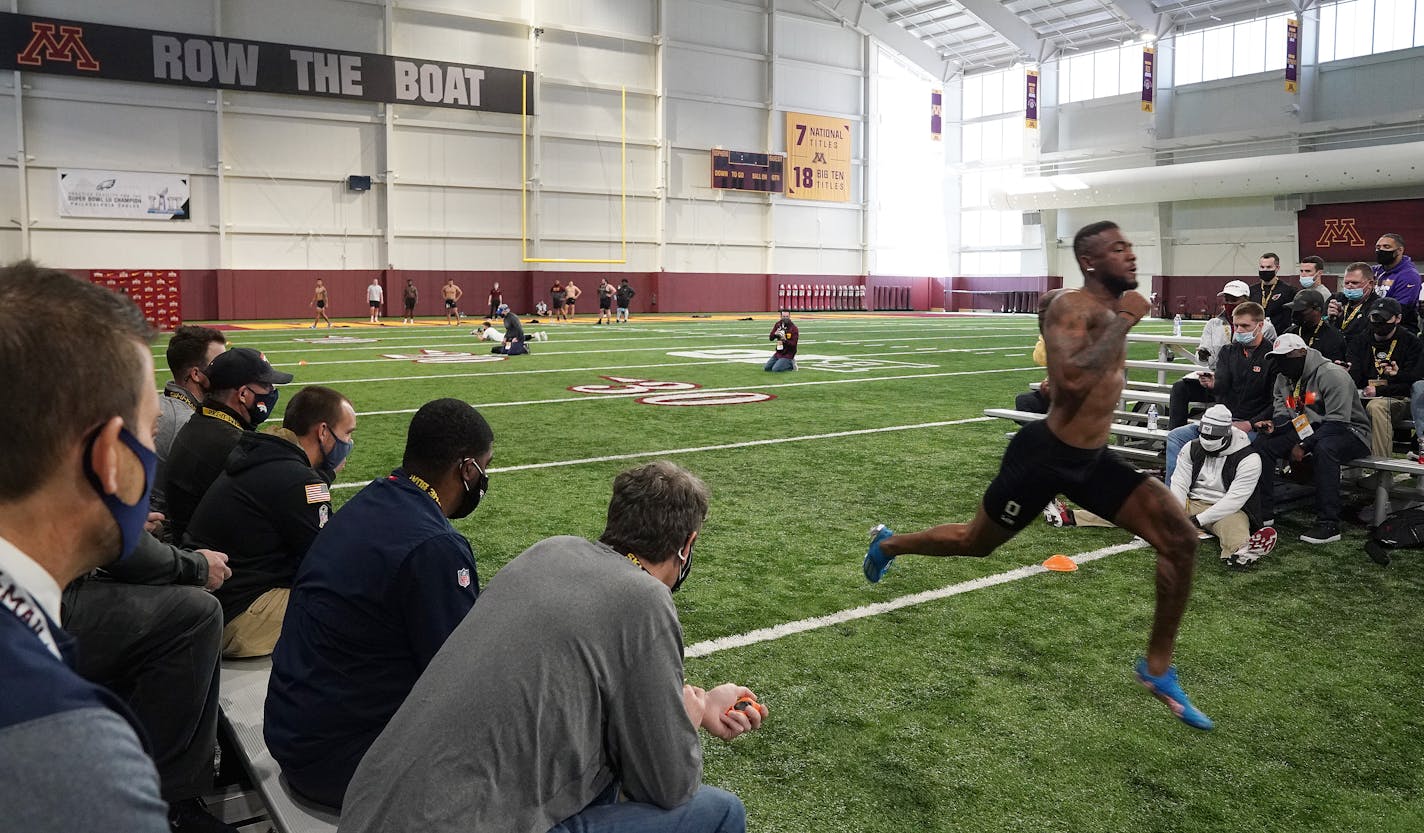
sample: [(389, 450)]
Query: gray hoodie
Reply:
[(1334, 399)]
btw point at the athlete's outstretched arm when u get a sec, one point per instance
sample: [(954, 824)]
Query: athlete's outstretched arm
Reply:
[(1086, 356)]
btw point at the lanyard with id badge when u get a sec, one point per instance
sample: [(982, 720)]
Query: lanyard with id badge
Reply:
[(1301, 421)]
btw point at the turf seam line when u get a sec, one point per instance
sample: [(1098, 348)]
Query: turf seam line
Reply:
[(697, 449), (726, 643)]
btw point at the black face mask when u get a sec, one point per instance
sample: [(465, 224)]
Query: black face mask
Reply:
[(1384, 329), (683, 570), (1298, 319), (472, 497), (1291, 366), (1383, 257), (1266, 274)]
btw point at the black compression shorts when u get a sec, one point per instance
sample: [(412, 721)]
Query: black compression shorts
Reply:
[(449, 303), (1037, 466), (321, 305)]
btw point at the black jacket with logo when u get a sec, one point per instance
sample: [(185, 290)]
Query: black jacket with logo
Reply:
[(1243, 382), (1354, 317), (264, 511), (1404, 349), (199, 453), (1324, 338), (1277, 303)]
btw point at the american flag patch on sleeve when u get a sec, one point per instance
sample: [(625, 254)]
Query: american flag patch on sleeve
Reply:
[(318, 493)]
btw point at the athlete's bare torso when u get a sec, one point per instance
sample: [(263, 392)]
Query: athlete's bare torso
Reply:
[(1085, 373)]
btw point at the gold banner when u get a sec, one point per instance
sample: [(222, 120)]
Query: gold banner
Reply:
[(818, 150)]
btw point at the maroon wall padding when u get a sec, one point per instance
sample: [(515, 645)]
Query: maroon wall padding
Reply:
[(1196, 296), (199, 290), (965, 291), (711, 292), (515, 287)]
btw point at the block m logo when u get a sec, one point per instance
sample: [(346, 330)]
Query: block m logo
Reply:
[(68, 47), (1340, 231)]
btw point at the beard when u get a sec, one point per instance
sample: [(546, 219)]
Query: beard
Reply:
[(1119, 285)]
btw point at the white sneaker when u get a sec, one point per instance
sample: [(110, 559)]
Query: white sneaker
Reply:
[(1057, 513)]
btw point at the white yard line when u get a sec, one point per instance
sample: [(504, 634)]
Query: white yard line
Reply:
[(712, 646), (701, 448), (734, 388)]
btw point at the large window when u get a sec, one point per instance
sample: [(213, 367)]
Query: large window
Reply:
[(1100, 74), (1231, 50), (1364, 27), (908, 168), (994, 93), (991, 142)]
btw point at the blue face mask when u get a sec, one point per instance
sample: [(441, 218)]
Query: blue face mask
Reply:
[(1353, 293), (1243, 338), (129, 517), (1307, 282), (332, 460), (262, 405)]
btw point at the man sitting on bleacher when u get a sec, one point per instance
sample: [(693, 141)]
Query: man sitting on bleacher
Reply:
[(1317, 412), (1240, 382), (1309, 322), (383, 585), (1215, 478), (1384, 365), (1216, 334)]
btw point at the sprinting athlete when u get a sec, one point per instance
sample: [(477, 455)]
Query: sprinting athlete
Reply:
[(1066, 453)]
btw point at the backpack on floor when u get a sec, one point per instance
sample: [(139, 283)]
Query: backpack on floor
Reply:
[(1401, 530)]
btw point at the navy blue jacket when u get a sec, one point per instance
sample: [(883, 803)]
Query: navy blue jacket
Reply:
[(383, 585)]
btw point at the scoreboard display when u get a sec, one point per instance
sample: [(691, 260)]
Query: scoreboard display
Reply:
[(740, 170)]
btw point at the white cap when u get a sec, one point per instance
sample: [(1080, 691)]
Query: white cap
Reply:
[(1287, 343), (1216, 422), (1236, 289)]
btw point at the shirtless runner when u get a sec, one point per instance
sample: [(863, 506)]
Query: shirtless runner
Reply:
[(1085, 333)]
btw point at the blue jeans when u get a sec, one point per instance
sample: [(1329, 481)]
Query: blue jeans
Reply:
[(1416, 406), (1177, 439), (710, 811), (776, 365)]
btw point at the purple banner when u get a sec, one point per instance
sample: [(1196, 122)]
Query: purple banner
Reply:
[(1149, 79), (1031, 99), (936, 114), (1292, 56)]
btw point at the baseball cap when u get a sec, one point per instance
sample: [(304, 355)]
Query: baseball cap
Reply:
[(1216, 422), (1307, 300), (1385, 309), (243, 366), (1287, 343), (1237, 289)]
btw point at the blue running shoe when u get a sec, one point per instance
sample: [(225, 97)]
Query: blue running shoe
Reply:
[(1166, 689), (876, 562)]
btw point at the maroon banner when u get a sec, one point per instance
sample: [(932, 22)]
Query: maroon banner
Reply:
[(1149, 79), (936, 115), (1031, 99), (1292, 56), (1346, 231)]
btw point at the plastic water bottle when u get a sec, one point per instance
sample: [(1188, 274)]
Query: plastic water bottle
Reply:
[(1152, 417), (1177, 325)]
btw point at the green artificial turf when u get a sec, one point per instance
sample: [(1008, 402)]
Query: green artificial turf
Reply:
[(1010, 708)]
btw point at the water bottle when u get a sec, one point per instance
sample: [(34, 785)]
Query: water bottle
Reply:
[(1152, 417), (1177, 325)]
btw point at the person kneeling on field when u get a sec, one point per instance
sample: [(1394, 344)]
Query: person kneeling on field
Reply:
[(1215, 479), (786, 335)]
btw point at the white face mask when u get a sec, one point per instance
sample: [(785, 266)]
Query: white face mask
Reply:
[(1213, 445)]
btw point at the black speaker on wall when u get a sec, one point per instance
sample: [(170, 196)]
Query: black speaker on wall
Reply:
[(358, 183)]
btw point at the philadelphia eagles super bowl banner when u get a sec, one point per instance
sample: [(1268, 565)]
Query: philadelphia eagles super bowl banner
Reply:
[(129, 195), (121, 53)]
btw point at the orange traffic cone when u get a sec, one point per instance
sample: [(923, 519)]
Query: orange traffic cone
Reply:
[(1060, 563)]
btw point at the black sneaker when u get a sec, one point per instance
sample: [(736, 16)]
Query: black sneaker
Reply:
[(192, 816), (1322, 534)]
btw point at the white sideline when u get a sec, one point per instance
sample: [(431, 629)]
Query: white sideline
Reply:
[(712, 646), (696, 449)]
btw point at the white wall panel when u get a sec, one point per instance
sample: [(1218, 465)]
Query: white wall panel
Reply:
[(169, 15), (461, 40), (595, 113), (809, 225), (84, 134), (621, 16), (698, 123), (1256, 103), (723, 25), (457, 157), (511, 9), (302, 207), (423, 210), (727, 220), (790, 261), (580, 164), (456, 253), (331, 24), (273, 251), (713, 258), (819, 43), (716, 76), (588, 215), (122, 249), (319, 149), (573, 56), (815, 90)]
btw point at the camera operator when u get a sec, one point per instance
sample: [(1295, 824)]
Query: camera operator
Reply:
[(786, 335)]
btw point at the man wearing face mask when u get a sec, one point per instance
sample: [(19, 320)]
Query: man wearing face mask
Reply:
[(242, 393), (1215, 479), (1308, 321), (383, 585), (1216, 335), (1349, 310), (267, 507), (1384, 366), (73, 497), (1312, 277), (1317, 412), (190, 351), (1272, 292), (1397, 277), (581, 639), (1241, 382)]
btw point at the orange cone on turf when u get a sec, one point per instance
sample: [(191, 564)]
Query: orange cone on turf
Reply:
[(1060, 563)]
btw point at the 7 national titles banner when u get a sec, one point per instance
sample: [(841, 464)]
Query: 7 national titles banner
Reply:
[(818, 154), (123, 53)]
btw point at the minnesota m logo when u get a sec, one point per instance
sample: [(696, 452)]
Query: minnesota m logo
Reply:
[(68, 47), (1340, 231)]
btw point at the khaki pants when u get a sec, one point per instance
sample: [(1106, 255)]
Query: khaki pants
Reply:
[(1384, 413), (254, 632), (1231, 531)]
